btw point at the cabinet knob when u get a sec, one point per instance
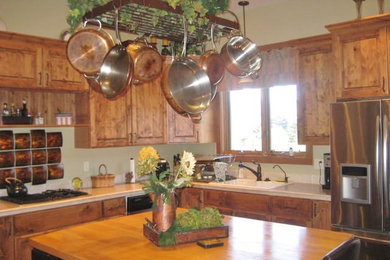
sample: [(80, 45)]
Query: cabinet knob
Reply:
[(40, 78), (383, 85), (47, 79)]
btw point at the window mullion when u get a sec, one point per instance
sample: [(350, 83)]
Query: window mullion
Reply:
[(265, 125)]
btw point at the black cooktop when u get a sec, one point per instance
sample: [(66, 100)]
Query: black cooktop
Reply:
[(49, 195)]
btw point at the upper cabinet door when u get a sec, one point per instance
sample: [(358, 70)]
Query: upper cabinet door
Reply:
[(181, 129), (316, 89), (58, 73), (31, 62), (20, 63), (148, 122), (361, 52)]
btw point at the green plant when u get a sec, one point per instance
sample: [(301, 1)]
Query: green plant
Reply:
[(165, 183), (192, 219), (193, 10)]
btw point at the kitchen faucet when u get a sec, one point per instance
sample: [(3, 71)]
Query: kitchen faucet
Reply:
[(285, 175), (257, 173)]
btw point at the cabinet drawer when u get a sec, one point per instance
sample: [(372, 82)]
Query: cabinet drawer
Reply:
[(299, 208), (55, 218), (114, 207)]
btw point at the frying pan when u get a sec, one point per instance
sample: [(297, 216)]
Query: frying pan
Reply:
[(117, 68), (87, 48), (186, 85)]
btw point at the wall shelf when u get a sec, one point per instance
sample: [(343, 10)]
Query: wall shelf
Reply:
[(169, 27)]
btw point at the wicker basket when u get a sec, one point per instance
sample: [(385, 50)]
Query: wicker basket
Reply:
[(103, 180)]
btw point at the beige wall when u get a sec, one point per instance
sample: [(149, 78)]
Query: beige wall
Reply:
[(268, 24)]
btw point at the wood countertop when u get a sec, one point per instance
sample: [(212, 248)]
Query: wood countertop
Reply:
[(122, 238)]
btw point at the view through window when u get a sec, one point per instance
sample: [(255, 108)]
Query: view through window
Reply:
[(246, 119)]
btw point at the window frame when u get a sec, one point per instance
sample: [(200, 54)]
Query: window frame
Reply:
[(265, 156)]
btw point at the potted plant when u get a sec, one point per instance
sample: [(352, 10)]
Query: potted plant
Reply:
[(161, 188)]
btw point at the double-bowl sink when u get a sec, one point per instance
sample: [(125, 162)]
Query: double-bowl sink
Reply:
[(252, 184)]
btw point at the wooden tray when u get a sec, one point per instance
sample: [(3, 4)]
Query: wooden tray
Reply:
[(189, 236)]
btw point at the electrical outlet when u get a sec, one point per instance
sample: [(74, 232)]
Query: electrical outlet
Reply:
[(318, 163), (86, 166)]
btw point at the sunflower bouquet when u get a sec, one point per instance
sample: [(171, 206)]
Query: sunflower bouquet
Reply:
[(166, 183)]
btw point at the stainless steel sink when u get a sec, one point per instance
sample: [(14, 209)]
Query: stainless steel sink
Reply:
[(253, 183)]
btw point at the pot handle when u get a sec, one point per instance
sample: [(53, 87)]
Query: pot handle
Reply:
[(93, 20), (212, 36), (195, 119), (117, 35), (183, 53), (234, 32), (9, 179)]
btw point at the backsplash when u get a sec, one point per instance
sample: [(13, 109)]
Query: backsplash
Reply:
[(33, 157)]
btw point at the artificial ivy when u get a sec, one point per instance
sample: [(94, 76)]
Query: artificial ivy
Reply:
[(193, 10)]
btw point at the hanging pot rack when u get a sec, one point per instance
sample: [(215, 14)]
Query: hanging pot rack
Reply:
[(168, 27)]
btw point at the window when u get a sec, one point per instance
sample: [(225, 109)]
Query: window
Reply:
[(262, 122)]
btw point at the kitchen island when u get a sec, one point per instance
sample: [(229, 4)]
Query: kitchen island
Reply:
[(122, 238)]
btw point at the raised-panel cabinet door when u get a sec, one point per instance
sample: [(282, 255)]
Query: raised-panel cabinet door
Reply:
[(58, 73), (361, 54), (321, 214), (316, 90), (181, 129), (148, 122), (6, 238), (20, 63), (108, 120), (190, 198)]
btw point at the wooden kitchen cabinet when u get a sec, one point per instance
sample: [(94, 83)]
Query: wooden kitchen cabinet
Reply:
[(29, 224), (289, 210), (181, 128), (361, 49), (316, 89), (6, 238), (148, 113), (292, 211), (30, 62), (322, 214), (114, 207), (190, 198)]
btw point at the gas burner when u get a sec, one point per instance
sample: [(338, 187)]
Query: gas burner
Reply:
[(48, 195)]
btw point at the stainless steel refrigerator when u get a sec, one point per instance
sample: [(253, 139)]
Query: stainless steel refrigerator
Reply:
[(360, 157)]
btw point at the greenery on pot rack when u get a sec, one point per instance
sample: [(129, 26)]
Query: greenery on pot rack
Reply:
[(192, 219), (166, 183), (193, 10)]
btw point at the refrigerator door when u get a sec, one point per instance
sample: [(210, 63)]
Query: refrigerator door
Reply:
[(356, 165), (386, 161)]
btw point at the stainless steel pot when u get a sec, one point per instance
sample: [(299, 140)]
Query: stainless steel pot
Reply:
[(117, 68), (186, 85), (240, 55)]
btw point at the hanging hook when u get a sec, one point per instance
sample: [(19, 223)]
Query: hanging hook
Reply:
[(243, 4)]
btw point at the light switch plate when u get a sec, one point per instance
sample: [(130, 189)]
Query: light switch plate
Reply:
[(86, 166)]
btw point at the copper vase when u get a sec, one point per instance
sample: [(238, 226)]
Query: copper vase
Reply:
[(164, 214)]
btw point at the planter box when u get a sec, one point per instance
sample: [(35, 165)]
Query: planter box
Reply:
[(189, 236)]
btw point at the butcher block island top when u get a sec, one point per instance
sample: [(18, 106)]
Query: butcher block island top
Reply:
[(122, 238)]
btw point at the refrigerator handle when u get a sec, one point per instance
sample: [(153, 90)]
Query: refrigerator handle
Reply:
[(385, 166)]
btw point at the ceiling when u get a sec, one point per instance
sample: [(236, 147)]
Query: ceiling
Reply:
[(233, 5)]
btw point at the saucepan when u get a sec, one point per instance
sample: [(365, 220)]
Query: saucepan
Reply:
[(117, 68), (241, 56), (87, 48), (186, 85), (212, 63), (147, 61)]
